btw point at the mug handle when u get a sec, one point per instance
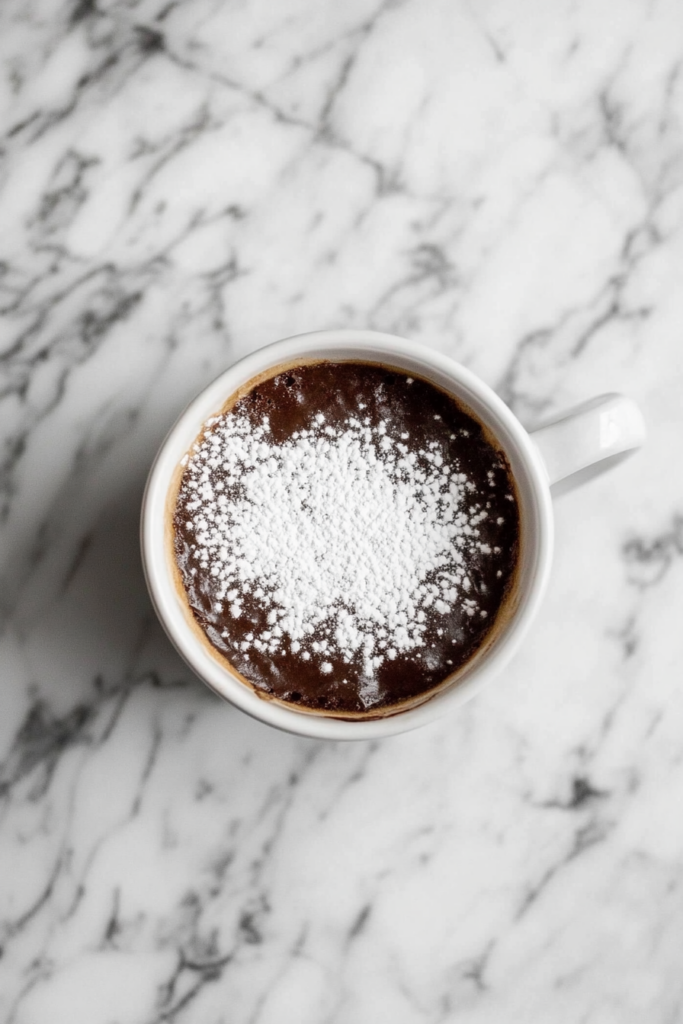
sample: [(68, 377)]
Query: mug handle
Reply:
[(589, 438)]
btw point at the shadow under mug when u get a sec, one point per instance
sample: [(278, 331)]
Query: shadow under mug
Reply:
[(559, 455)]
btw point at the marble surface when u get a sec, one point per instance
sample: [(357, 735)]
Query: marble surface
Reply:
[(182, 181)]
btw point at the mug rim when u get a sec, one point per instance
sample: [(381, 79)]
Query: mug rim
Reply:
[(531, 484)]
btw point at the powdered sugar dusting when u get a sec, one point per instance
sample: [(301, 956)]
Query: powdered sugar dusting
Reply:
[(346, 538)]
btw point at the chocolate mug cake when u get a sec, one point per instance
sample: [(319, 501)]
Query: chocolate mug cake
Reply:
[(346, 537)]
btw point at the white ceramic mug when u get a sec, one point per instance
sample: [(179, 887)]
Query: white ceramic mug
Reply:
[(577, 443)]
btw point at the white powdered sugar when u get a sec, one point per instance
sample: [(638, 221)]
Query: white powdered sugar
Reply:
[(343, 536)]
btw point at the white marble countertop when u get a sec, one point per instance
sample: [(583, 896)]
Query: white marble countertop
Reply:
[(181, 182)]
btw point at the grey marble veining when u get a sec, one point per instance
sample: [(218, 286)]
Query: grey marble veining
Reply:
[(181, 182)]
